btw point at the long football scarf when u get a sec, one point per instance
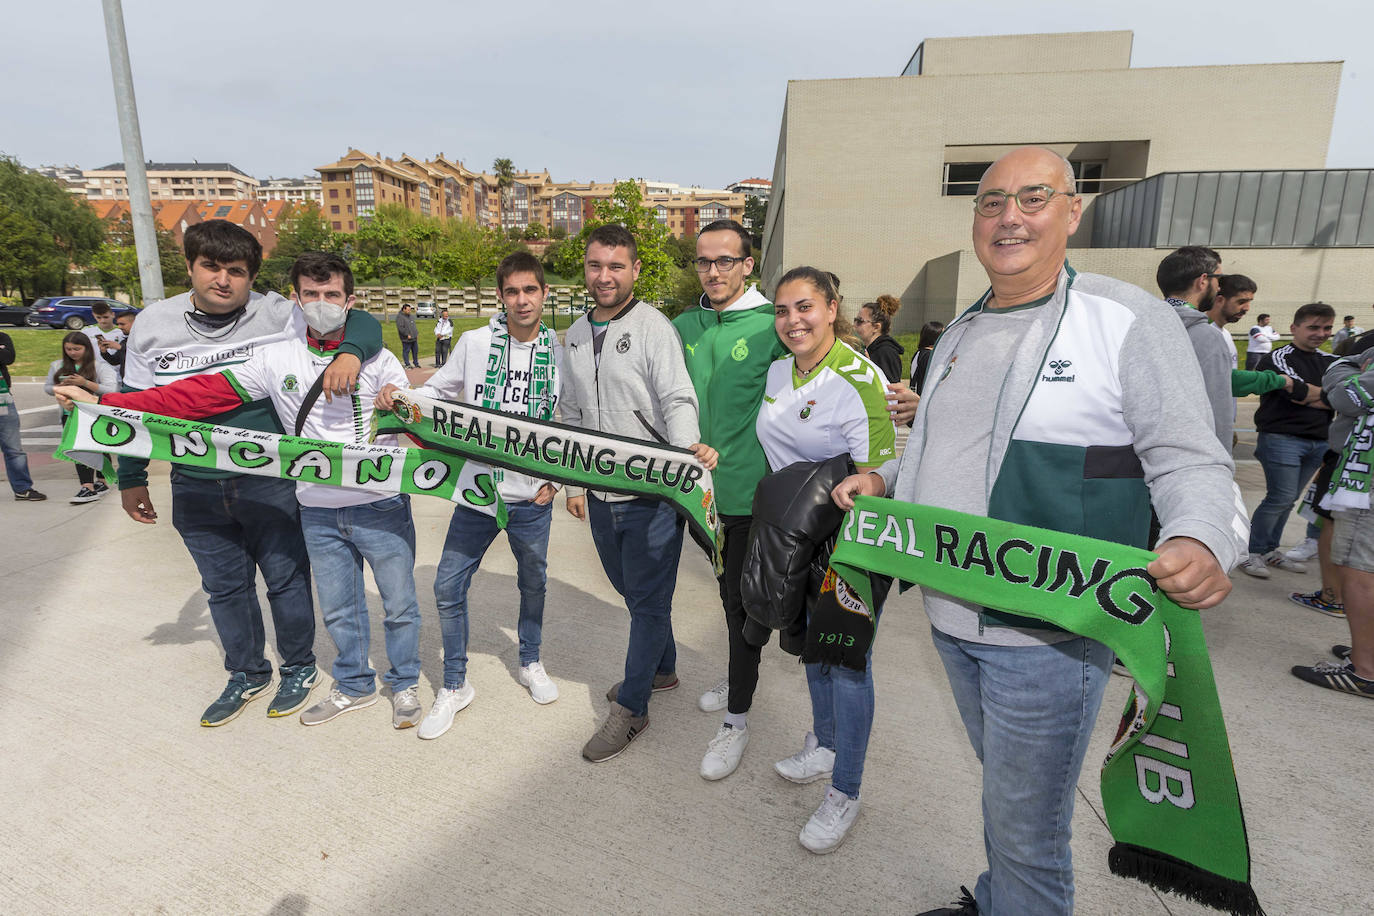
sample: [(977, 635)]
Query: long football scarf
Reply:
[(1168, 783), (543, 381), (94, 429), (564, 454), (1350, 481)]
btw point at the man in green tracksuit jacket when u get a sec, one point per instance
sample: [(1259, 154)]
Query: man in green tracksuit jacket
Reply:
[(728, 342)]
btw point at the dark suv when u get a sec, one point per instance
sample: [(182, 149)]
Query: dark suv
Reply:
[(71, 312)]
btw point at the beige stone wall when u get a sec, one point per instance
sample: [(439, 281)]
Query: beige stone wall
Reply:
[(860, 161), (1026, 53)]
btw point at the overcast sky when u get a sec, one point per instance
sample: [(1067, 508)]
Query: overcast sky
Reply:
[(685, 92)]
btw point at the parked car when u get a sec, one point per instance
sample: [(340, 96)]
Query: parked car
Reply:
[(425, 310), (71, 312), (13, 314)]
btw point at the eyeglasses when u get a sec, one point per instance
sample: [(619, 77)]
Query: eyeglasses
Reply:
[(859, 321), (1030, 199), (724, 264)]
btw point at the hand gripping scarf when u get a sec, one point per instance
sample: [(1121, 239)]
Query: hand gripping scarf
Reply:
[(1168, 783)]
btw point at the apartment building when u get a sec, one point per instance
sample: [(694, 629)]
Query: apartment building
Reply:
[(174, 181), (293, 190), (753, 187), (873, 177)]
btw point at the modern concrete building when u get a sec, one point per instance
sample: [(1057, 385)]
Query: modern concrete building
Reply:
[(873, 177), (174, 181)]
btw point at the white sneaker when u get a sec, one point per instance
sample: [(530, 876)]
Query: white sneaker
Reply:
[(811, 763), (1282, 561), (724, 752), (828, 826), (1254, 565), (1305, 551), (447, 704), (405, 707), (715, 699), (542, 690)]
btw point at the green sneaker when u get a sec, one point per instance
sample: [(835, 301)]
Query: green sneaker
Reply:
[(294, 690), (237, 693)]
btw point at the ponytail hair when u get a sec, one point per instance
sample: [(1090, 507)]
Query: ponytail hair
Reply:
[(882, 311), (828, 285)]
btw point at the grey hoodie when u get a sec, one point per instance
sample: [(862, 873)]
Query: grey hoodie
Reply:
[(1214, 359), (1350, 401), (640, 389)]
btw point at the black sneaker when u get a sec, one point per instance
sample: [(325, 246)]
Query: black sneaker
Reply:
[(293, 690), (964, 906), (1341, 652), (85, 495), (30, 496), (1335, 677), (101, 487)]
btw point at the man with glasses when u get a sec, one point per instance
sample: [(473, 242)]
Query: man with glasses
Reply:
[(1050, 402), (729, 342)]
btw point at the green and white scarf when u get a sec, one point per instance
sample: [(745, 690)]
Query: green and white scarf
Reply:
[(1350, 481), (564, 454), (93, 432), (1168, 783), (540, 398)]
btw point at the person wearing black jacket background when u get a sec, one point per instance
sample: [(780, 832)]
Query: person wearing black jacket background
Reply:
[(872, 324), (16, 462), (1292, 435)]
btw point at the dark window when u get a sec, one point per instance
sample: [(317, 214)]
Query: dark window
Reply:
[(334, 210), (337, 225), (333, 192), (961, 178)]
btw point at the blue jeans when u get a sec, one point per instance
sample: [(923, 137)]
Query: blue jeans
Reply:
[(383, 534), (16, 462), (1029, 712), (639, 542), (410, 352), (470, 533), (842, 717), (1289, 463), (231, 526)]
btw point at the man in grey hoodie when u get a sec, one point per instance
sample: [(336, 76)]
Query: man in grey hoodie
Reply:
[(624, 374), (1051, 402)]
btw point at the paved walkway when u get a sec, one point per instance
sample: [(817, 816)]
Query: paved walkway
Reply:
[(115, 800)]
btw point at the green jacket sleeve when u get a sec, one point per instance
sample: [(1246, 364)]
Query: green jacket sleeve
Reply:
[(362, 335), (1263, 381)]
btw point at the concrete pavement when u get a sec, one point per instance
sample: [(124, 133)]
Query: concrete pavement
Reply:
[(115, 800)]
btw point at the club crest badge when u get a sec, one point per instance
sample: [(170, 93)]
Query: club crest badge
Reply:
[(289, 383), (623, 344), (741, 351), (806, 411)]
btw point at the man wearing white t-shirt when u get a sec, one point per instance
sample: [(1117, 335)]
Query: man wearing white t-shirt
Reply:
[(106, 337), (512, 365), (1262, 337)]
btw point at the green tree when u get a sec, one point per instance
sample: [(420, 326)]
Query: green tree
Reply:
[(625, 207), (71, 232), (26, 254), (114, 267), (504, 169), (756, 216), (534, 232), (558, 233)]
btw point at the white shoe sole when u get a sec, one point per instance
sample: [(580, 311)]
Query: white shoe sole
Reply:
[(524, 682), (806, 780)]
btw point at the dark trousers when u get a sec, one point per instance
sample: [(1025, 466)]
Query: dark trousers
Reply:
[(410, 352), (233, 528), (744, 657), (441, 347)]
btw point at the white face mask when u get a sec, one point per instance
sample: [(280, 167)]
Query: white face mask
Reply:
[(325, 317)]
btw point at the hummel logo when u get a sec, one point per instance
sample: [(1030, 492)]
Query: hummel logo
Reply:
[(1058, 365)]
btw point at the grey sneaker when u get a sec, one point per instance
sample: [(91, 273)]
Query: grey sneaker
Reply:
[(405, 708), (615, 734), (1254, 565), (1281, 560), (335, 705), (662, 682)]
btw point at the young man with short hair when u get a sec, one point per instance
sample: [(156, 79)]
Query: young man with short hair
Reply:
[(1262, 337), (234, 525), (729, 342), (1292, 436), (512, 365), (625, 376), (342, 525), (107, 338)]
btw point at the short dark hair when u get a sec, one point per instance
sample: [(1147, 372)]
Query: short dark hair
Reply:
[(222, 242), (1232, 285), (1261, 316), (520, 262), (1314, 310), (100, 308), (613, 235), (746, 241), (1181, 267), (1346, 318), (930, 332), (320, 266)]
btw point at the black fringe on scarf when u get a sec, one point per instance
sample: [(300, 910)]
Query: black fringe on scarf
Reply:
[(1165, 873)]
